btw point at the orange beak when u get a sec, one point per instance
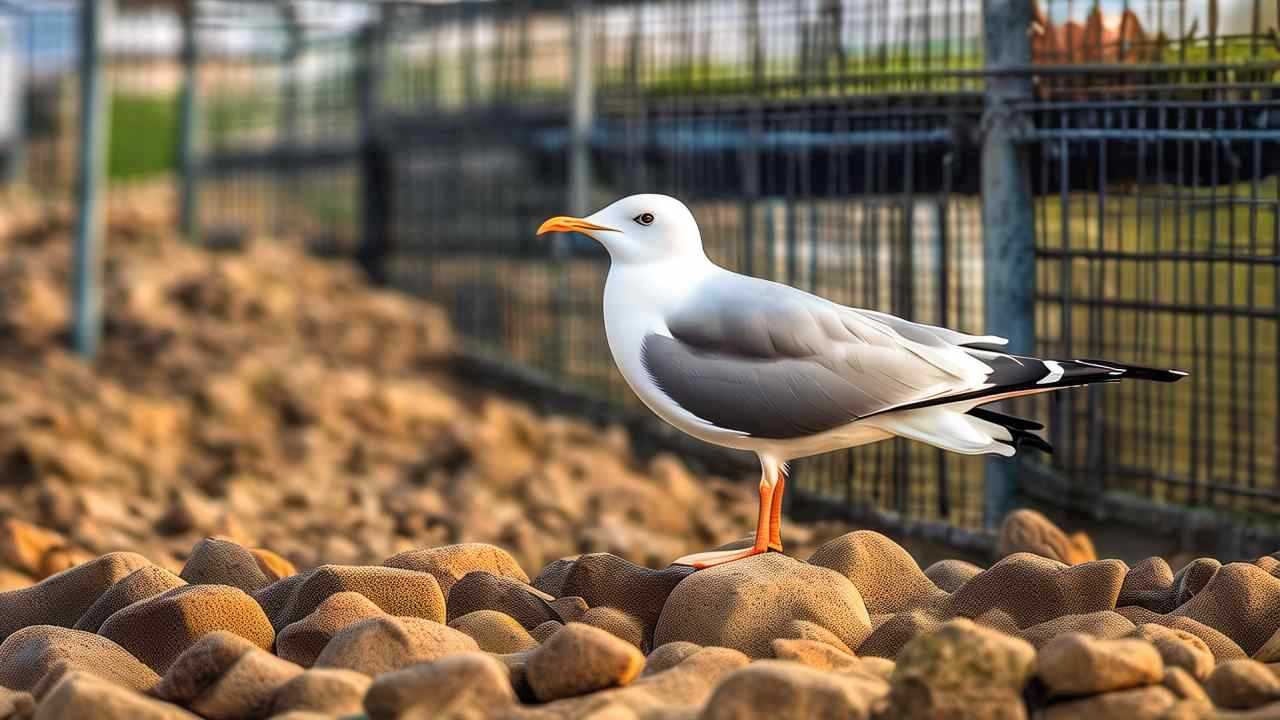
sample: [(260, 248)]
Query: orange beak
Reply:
[(563, 223)]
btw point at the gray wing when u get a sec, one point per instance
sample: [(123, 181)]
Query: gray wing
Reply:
[(771, 361)]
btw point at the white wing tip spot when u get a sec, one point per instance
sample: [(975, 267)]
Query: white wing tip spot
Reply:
[(1055, 372)]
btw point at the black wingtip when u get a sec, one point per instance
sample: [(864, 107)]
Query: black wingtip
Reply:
[(1139, 372)]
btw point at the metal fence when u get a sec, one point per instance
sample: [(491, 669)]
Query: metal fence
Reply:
[(1090, 178)]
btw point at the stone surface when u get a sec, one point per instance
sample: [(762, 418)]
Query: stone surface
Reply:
[(1076, 664), (494, 631), (463, 686), (387, 643), (219, 561), (483, 591), (784, 690), (400, 592), (948, 575), (1242, 685), (961, 671), (1033, 589), (745, 605), (301, 642), (225, 677), (1029, 531), (84, 695), (1143, 703), (327, 691), (28, 654), (450, 563), (580, 659), (1179, 648), (62, 598), (141, 584), (887, 577)]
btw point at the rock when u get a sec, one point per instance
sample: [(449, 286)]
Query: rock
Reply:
[(494, 631), (815, 654), (301, 642), (16, 705), (225, 677), (27, 548), (604, 580), (570, 608), (468, 685), (483, 591), (61, 599), (145, 582), (450, 563), (948, 575), (1242, 601), (404, 593), (1242, 685), (1076, 664), (1184, 686), (159, 629), (1031, 532), (1192, 578), (935, 674), (618, 623), (880, 667), (580, 659), (745, 605), (84, 695), (383, 644), (27, 655), (781, 690), (1178, 648), (545, 630), (218, 561), (1103, 624), (668, 656), (1149, 584), (272, 565), (1143, 703), (1033, 589), (550, 579), (891, 632), (323, 690), (887, 577), (805, 630)]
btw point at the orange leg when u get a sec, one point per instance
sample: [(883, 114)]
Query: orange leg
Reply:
[(775, 514), (763, 525)]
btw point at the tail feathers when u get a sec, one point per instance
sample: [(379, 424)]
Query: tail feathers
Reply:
[(1020, 429), (1139, 372)]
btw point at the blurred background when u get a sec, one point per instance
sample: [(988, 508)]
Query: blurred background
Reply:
[(1090, 178)]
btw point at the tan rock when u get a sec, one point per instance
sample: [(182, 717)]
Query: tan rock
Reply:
[(668, 656), (545, 630), (1076, 664), (745, 605), (783, 690), (1191, 579), (934, 674), (26, 547), (219, 561), (1104, 624), (1142, 703), (604, 580), (387, 643), (16, 704), (580, 659), (463, 686), (1240, 600), (1179, 648), (404, 593), (618, 623), (322, 690), (272, 565), (890, 632), (1149, 584), (1033, 589), (27, 655), (1029, 531), (483, 591), (814, 654), (159, 629), (301, 642), (494, 631), (887, 577), (141, 584), (84, 695), (61, 599), (1242, 685), (1184, 686), (225, 677), (450, 563), (948, 575)]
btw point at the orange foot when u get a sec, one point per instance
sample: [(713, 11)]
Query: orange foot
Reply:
[(700, 561)]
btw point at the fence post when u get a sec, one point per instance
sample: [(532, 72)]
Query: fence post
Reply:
[(1007, 213), (375, 165), (94, 129), (187, 130), (581, 111)]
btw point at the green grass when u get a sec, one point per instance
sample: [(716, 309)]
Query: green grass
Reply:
[(144, 134)]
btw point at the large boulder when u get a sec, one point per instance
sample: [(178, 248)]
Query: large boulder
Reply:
[(961, 671)]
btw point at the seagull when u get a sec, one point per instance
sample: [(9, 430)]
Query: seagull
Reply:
[(750, 364)]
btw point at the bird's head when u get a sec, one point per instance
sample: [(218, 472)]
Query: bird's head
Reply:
[(638, 229)]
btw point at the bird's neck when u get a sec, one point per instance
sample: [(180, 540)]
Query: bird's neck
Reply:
[(658, 284)]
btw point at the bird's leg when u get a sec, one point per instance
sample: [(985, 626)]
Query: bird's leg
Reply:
[(775, 511), (761, 544)]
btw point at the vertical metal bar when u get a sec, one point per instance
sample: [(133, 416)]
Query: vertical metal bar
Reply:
[(1007, 212), (187, 129), (375, 164), (581, 111), (87, 292)]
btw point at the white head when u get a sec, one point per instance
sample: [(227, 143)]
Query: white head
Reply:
[(638, 229)]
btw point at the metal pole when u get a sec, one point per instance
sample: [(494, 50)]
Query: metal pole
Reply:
[(94, 93), (187, 132), (1007, 213), (582, 111), (375, 163)]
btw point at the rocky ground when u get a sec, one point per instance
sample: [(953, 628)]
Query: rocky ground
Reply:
[(269, 499)]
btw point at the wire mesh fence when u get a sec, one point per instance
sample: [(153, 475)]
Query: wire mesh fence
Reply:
[(836, 145)]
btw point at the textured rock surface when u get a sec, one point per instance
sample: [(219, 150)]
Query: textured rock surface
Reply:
[(83, 695), (450, 563), (301, 642), (387, 643), (935, 674), (1076, 664), (580, 659), (323, 690), (774, 689), (405, 593), (468, 685), (28, 654)]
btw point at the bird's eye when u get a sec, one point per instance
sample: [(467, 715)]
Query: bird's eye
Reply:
[(644, 218)]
